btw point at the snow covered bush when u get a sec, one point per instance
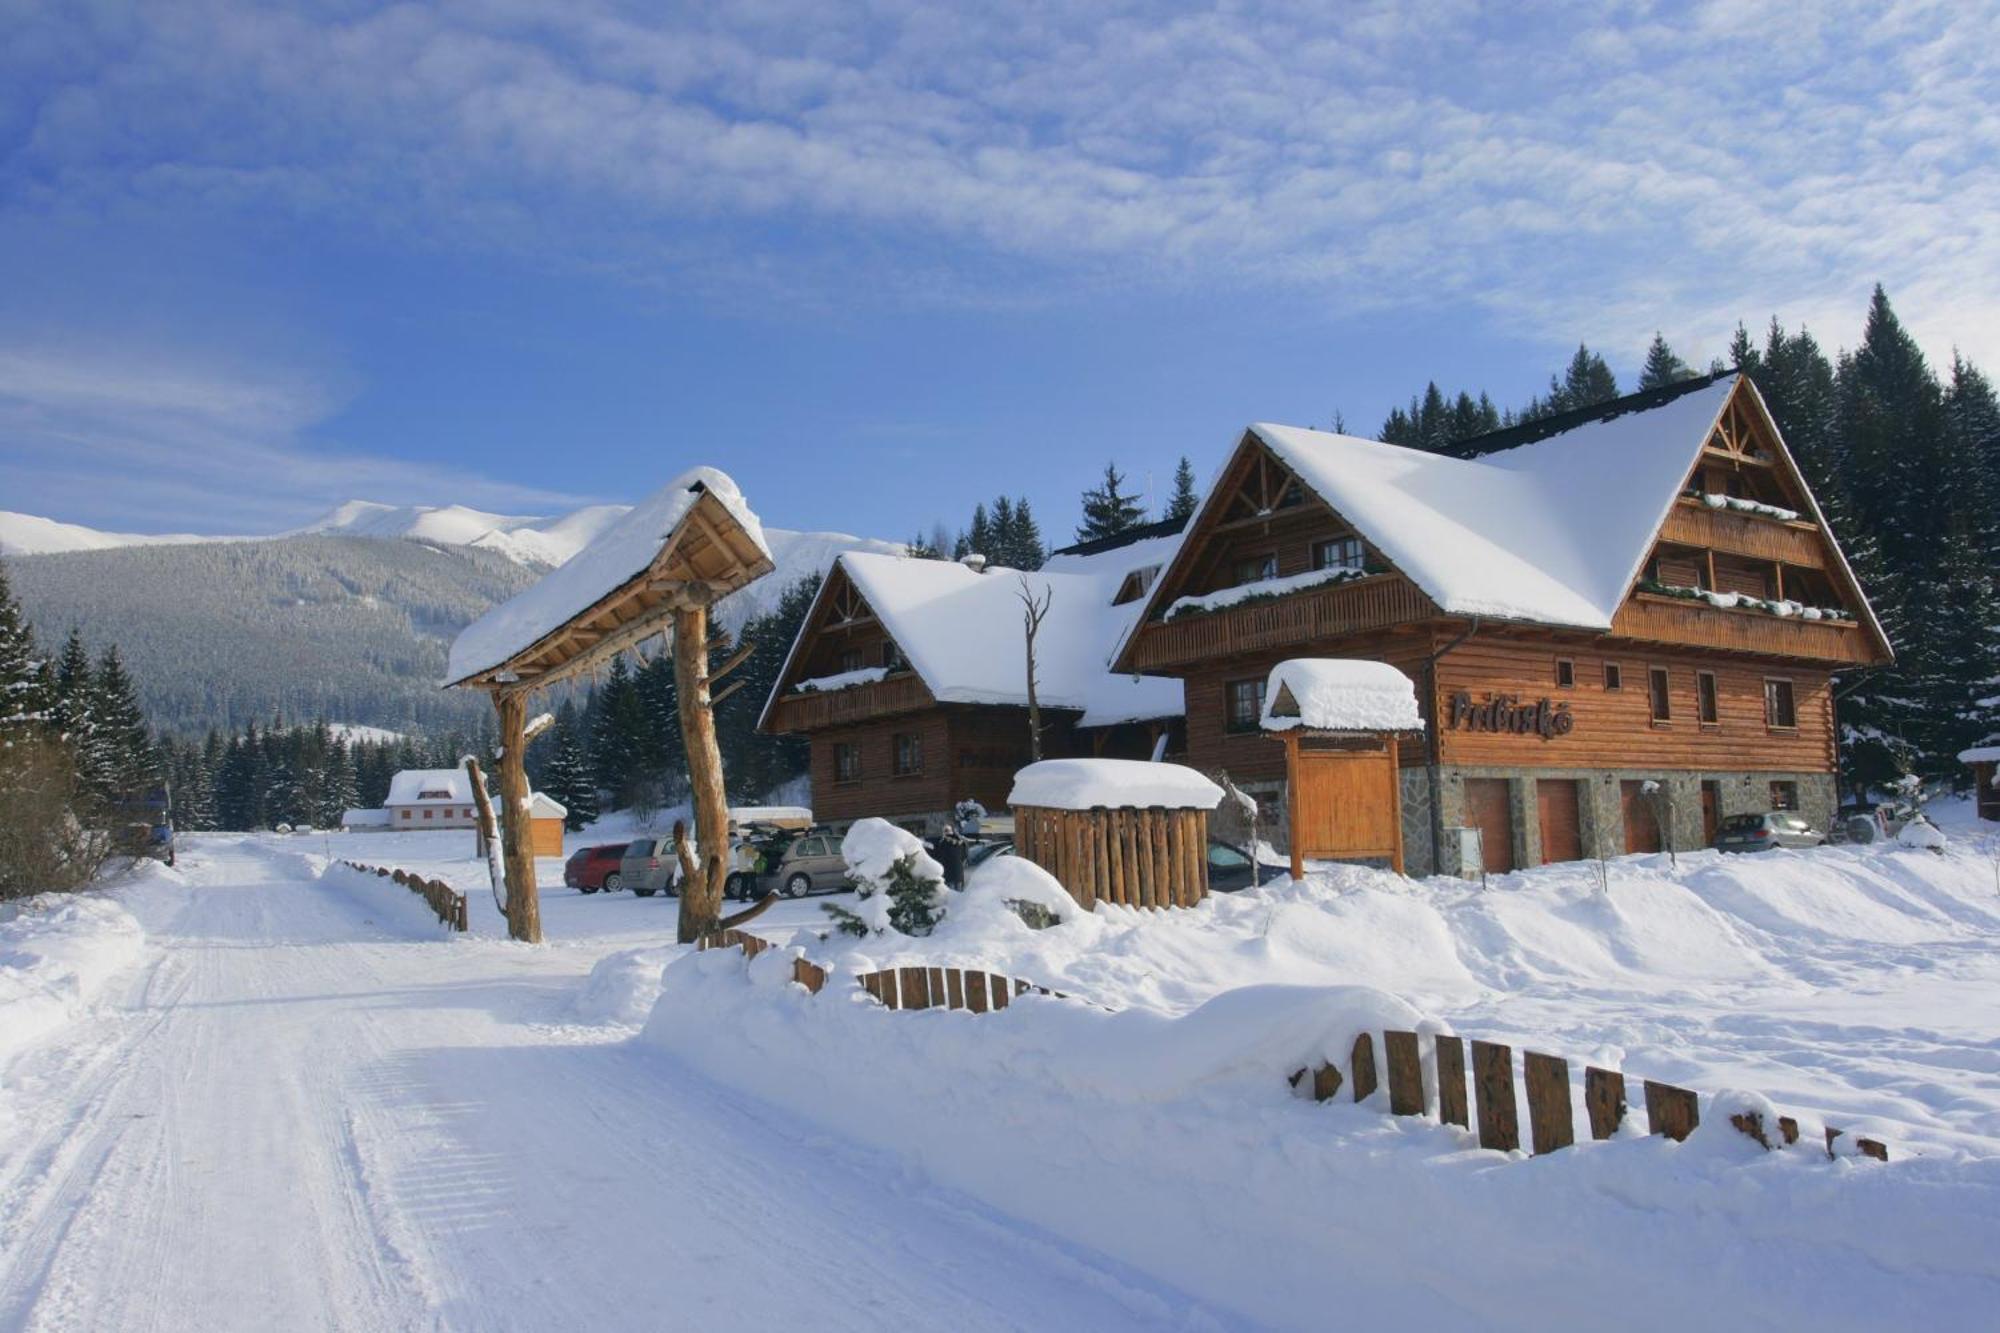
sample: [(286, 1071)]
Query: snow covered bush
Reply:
[(1028, 891), (897, 884)]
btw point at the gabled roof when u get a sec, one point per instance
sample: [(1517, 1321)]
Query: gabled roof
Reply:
[(1548, 523), (695, 529), (960, 631)]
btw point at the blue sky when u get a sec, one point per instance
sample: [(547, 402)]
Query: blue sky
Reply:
[(881, 261)]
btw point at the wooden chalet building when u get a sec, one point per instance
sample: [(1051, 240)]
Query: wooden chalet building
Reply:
[(909, 676), (1640, 592)]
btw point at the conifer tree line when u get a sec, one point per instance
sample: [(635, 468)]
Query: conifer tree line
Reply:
[(74, 744), (1905, 462)]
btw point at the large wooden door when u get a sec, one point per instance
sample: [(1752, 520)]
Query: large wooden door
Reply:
[(1344, 802), (1562, 828), (1711, 812), (1642, 832), (1486, 809)]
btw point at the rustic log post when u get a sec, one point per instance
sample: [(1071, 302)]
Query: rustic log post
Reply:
[(1451, 1081), (1291, 806), (915, 983), (1406, 1073), (1395, 805), (1604, 1099), (489, 835), (524, 904), (1363, 1062), (1671, 1111), (1493, 1090), (1159, 824), (701, 896), (1751, 1125), (1550, 1122)]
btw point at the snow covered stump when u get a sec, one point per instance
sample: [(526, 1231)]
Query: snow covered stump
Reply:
[(1344, 788), (1116, 830)]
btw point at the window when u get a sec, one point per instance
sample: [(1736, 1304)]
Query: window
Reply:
[(1779, 710), (1340, 553), (909, 753), (1704, 698), (406, 814), (1565, 672), (1663, 705), (1784, 795), (1256, 568), (846, 762), (1614, 679), (891, 657), (850, 660), (1246, 704), (429, 813)]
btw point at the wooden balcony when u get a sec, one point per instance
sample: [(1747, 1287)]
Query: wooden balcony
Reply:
[(1309, 616), (1758, 536), (903, 692), (1655, 619)]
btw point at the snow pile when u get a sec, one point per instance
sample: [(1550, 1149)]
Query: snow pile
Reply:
[(1087, 784), (622, 988), (395, 908), (621, 553), (873, 849), (1332, 694), (56, 952), (1258, 591), (1013, 885), (1783, 608), (840, 680), (1742, 506), (1922, 834)]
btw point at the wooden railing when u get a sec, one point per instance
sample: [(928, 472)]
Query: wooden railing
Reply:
[(901, 693), (900, 987), (447, 902), (1299, 617), (1758, 536), (1679, 620), (1670, 1111)]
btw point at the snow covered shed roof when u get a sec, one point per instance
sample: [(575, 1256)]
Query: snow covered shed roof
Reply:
[(430, 786), (1980, 754), (1339, 694), (1134, 784), (370, 818), (954, 624), (541, 805), (612, 594)]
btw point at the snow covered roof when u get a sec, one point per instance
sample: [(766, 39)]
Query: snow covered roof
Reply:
[(620, 555), (541, 805), (1980, 754), (959, 629), (365, 819), (1087, 784), (430, 786), (1339, 694)]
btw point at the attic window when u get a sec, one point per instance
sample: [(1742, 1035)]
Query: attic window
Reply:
[(1256, 568), (1340, 553), (433, 794)]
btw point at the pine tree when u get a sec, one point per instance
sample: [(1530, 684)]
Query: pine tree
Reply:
[(1182, 504), (338, 792), (567, 777), (69, 708), (24, 701), (979, 538), (1107, 509), (1662, 366), (122, 759), (1026, 549), (620, 735)]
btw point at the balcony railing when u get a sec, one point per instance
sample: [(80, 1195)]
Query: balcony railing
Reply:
[(1306, 616), (1675, 620), (1758, 536), (902, 692)]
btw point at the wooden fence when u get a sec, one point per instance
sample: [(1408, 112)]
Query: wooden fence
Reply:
[(1145, 857), (447, 902), (1671, 1111)]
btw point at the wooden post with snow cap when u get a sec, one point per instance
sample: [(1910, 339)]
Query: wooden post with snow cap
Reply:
[(659, 568), (1124, 831)]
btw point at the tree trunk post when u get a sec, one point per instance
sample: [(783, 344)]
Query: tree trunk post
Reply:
[(524, 906), (701, 896), (489, 835)]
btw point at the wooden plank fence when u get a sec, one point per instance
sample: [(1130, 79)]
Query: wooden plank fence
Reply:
[(1670, 1111), (447, 902)]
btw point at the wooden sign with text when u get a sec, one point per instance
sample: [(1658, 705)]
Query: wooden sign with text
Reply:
[(1508, 713)]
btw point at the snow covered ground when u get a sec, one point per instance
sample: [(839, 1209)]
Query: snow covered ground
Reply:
[(293, 1101)]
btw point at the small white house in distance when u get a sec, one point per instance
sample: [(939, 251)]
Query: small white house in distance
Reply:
[(431, 798), (365, 821)]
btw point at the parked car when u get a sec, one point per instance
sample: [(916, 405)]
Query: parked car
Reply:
[(147, 840), (649, 866), (592, 868), (1864, 822), (1229, 868), (810, 864), (1761, 833)]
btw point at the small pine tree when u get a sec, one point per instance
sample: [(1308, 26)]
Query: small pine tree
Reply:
[(1662, 366), (1107, 509), (567, 776), (122, 759), (24, 701), (1183, 502)]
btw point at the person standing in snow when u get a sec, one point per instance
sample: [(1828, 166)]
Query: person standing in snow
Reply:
[(950, 853)]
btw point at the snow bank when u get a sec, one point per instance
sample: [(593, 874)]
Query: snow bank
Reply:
[(1173, 1144), (1339, 694), (1085, 784), (392, 906), (622, 988), (622, 552), (57, 950)]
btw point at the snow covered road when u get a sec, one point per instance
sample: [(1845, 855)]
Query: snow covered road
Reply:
[(301, 1111)]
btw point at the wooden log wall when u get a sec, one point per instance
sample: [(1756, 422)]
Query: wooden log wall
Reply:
[(1152, 857), (440, 897)]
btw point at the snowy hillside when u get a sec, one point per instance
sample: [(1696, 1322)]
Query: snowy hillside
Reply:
[(26, 534)]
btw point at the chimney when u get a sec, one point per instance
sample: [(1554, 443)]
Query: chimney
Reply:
[(974, 562)]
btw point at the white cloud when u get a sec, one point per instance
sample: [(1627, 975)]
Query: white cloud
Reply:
[(1589, 172)]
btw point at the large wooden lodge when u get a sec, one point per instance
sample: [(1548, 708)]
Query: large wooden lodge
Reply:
[(1642, 592)]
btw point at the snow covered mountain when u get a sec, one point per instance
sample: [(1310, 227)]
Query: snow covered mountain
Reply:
[(369, 596)]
